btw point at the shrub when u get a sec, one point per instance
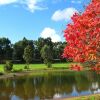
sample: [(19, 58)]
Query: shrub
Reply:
[(19, 70), (1, 73), (26, 67), (8, 66), (49, 64)]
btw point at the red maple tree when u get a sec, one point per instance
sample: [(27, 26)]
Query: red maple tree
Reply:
[(83, 35)]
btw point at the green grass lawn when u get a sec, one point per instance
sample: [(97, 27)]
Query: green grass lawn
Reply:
[(1, 68), (37, 66)]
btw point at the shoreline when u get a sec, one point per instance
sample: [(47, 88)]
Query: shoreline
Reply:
[(12, 74), (28, 72), (85, 97)]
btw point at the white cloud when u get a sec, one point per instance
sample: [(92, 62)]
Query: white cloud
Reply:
[(76, 1), (5, 2), (56, 1), (64, 14), (49, 32), (31, 5)]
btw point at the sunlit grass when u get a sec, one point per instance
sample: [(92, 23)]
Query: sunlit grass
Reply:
[(37, 66)]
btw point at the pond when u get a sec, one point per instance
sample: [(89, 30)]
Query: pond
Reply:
[(49, 85)]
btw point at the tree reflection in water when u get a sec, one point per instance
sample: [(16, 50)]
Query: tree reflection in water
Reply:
[(50, 85)]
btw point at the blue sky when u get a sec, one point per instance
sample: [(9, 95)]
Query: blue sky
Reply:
[(37, 18)]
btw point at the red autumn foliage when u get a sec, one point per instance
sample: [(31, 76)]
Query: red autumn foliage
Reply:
[(95, 68), (76, 67), (83, 35)]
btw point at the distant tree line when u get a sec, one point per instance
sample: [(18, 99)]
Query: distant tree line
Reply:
[(16, 52)]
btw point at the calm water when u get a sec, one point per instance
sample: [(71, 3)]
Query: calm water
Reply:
[(48, 86)]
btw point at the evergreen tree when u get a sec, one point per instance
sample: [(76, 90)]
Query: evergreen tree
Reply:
[(28, 55), (46, 54)]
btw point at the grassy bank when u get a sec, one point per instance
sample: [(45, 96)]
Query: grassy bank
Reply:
[(88, 97), (20, 67)]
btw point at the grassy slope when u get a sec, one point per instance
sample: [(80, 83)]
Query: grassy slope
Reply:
[(89, 97), (37, 66)]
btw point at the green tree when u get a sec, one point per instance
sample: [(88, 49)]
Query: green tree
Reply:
[(5, 49), (46, 54), (28, 54), (38, 44), (58, 48), (18, 49)]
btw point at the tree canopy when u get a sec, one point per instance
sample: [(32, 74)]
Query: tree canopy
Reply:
[(46, 54), (83, 35), (28, 54), (14, 52)]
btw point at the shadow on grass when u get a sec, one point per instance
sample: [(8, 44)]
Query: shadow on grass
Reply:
[(17, 70), (1, 73), (60, 68)]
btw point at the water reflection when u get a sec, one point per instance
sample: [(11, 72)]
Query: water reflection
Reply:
[(50, 86)]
